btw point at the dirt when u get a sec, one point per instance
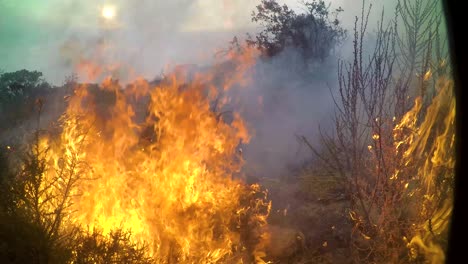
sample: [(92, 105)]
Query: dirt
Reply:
[(308, 221)]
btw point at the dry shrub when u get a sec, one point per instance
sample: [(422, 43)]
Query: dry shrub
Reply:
[(397, 162)]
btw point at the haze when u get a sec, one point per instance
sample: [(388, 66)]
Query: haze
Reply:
[(147, 36)]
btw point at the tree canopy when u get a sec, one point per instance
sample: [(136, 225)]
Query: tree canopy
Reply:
[(18, 93), (314, 32)]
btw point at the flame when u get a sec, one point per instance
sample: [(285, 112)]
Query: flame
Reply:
[(426, 143), (169, 177)]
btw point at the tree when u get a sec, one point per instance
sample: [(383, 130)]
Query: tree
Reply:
[(20, 83), (18, 92), (313, 33), (420, 49), (397, 163)]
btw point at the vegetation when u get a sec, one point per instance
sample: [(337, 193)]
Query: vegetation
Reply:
[(313, 33), (31, 227), (375, 147), (379, 189), (18, 93)]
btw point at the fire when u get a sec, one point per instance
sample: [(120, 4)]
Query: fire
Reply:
[(158, 161), (428, 154)]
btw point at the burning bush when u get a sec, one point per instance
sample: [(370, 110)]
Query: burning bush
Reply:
[(171, 177), (398, 162)]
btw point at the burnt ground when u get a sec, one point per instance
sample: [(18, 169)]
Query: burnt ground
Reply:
[(308, 220)]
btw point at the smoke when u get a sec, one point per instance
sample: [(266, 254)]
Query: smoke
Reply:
[(147, 37), (284, 100), (288, 99), (55, 36)]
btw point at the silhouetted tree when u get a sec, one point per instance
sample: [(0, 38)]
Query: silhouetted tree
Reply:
[(18, 93), (314, 33)]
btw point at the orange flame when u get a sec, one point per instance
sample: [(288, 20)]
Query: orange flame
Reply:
[(158, 161)]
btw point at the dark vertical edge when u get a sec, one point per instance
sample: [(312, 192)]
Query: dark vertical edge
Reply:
[(456, 16)]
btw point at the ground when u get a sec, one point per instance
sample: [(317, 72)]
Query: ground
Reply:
[(308, 221)]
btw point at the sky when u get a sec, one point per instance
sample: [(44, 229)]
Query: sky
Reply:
[(146, 35)]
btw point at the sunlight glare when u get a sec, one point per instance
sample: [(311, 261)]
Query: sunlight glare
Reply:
[(108, 12)]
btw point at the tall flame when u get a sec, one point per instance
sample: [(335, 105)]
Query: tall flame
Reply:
[(428, 154), (158, 161)]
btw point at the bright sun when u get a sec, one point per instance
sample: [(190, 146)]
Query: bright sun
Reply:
[(108, 12)]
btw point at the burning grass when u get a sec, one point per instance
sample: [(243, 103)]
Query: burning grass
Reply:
[(170, 177), (152, 173)]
